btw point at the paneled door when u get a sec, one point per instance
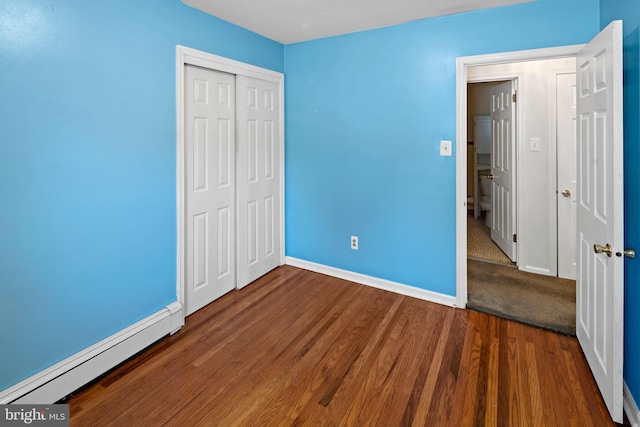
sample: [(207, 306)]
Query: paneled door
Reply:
[(210, 186), (258, 178), (566, 99), (503, 162), (600, 281)]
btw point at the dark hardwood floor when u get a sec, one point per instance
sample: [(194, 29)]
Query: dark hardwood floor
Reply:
[(300, 348)]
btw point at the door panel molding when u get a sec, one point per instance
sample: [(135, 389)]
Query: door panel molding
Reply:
[(257, 181), (210, 186), (189, 56)]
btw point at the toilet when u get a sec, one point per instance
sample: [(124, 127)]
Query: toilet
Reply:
[(485, 198)]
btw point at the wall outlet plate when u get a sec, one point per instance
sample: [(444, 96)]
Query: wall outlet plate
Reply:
[(354, 243), (445, 148)]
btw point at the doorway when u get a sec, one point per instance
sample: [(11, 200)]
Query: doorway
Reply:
[(534, 195), (501, 288), (531, 260), (481, 157), (599, 319), (229, 175)]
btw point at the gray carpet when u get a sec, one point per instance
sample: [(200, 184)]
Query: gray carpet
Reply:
[(546, 302)]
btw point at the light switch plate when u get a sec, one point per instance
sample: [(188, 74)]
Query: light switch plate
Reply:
[(534, 144), (445, 148)]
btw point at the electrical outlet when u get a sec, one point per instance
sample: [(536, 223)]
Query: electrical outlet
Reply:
[(354, 243), (445, 148)]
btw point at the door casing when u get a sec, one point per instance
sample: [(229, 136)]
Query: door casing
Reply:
[(188, 56)]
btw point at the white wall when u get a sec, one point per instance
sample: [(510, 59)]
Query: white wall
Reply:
[(536, 175)]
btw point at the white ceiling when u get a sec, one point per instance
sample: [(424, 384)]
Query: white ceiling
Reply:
[(291, 21)]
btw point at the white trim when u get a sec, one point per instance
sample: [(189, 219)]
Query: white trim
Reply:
[(631, 408), (282, 187), (188, 56), (226, 65), (374, 282), (56, 382), (462, 63), (461, 184), (521, 55)]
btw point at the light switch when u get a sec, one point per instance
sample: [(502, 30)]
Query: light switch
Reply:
[(445, 148), (534, 144)]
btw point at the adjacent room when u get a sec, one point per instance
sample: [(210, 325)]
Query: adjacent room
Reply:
[(504, 279), (254, 213)]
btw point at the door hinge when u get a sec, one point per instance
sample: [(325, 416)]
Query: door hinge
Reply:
[(515, 238), (514, 97)]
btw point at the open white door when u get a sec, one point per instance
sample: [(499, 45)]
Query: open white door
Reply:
[(258, 178), (503, 160), (566, 111), (600, 281)]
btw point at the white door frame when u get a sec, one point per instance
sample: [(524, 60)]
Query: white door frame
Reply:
[(188, 56), (462, 63)]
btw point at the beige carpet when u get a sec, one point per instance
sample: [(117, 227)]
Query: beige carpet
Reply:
[(479, 243), (543, 301)]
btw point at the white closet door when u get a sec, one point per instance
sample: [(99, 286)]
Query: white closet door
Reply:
[(210, 186), (258, 178)]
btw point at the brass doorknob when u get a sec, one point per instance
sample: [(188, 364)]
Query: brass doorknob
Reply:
[(629, 253), (603, 249), (566, 193)]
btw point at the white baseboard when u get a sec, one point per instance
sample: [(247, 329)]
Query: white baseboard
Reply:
[(630, 407), (374, 282), (58, 381)]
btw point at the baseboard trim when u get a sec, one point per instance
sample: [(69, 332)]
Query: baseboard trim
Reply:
[(374, 282), (631, 408), (58, 381)]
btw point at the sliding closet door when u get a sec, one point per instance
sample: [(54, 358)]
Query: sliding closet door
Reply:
[(258, 178), (210, 186)]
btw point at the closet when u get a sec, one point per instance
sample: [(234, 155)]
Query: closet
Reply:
[(232, 188)]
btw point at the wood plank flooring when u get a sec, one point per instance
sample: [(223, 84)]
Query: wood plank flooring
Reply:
[(297, 348)]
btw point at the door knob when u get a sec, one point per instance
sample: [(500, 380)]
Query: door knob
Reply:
[(602, 249), (629, 253), (566, 193), (489, 176)]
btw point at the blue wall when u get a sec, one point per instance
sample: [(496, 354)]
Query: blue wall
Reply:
[(87, 154), (87, 166), (629, 12), (364, 117)]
